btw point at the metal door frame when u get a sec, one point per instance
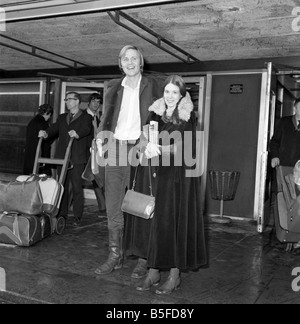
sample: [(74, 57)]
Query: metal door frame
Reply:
[(262, 154), (262, 149)]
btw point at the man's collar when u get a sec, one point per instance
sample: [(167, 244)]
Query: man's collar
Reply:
[(91, 112), (125, 80), (74, 113)]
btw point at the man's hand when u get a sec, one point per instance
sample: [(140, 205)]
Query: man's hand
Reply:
[(73, 134), (275, 162), (99, 147), (43, 134)]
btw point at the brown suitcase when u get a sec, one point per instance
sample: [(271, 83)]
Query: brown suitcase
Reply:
[(51, 190), (24, 198), (24, 230)]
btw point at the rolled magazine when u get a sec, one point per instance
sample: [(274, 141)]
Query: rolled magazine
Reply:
[(153, 132)]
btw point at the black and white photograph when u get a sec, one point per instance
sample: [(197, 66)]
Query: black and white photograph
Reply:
[(149, 155)]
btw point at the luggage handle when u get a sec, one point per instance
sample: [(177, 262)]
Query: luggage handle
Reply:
[(11, 213), (63, 162), (14, 182), (38, 177), (33, 177)]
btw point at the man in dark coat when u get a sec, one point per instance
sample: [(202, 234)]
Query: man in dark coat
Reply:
[(73, 124), (285, 143), (126, 110), (39, 122)]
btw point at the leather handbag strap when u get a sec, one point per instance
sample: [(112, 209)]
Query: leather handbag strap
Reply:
[(150, 179)]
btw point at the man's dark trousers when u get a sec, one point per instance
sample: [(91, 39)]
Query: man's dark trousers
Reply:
[(74, 179)]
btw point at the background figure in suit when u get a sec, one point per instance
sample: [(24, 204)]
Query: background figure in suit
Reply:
[(39, 122), (285, 143), (126, 110), (73, 124), (98, 180)]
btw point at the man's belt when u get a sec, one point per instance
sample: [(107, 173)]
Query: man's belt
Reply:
[(126, 142)]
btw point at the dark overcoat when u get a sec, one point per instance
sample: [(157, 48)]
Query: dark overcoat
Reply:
[(151, 89), (175, 237), (285, 143), (32, 131), (82, 124)]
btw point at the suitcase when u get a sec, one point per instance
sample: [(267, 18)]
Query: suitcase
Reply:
[(287, 208), (24, 198), (51, 189), (24, 230)]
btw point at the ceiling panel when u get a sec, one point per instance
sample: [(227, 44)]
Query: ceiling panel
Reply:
[(210, 30)]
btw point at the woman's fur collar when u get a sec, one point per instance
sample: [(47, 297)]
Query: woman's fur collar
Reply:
[(184, 109)]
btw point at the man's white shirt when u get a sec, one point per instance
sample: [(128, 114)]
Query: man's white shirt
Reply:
[(129, 122)]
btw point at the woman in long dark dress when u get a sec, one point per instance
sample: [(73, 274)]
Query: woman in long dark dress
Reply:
[(175, 236)]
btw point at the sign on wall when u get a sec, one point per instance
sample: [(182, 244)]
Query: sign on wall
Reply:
[(236, 88)]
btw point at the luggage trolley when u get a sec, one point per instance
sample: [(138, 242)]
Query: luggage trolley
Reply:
[(22, 229), (59, 222), (287, 208)]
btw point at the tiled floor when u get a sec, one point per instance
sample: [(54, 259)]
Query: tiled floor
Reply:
[(244, 267)]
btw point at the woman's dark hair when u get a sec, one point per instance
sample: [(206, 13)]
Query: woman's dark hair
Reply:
[(45, 109), (179, 82)]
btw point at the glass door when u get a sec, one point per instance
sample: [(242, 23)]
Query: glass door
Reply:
[(85, 89)]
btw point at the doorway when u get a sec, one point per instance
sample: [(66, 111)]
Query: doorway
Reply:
[(236, 130)]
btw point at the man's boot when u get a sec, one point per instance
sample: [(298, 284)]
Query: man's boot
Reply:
[(115, 258)]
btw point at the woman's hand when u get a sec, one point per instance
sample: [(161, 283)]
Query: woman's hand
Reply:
[(152, 150)]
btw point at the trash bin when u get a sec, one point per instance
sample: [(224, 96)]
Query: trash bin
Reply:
[(223, 186)]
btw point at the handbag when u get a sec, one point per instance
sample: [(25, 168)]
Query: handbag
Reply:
[(91, 167), (87, 173), (138, 204), (93, 170), (22, 197)]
